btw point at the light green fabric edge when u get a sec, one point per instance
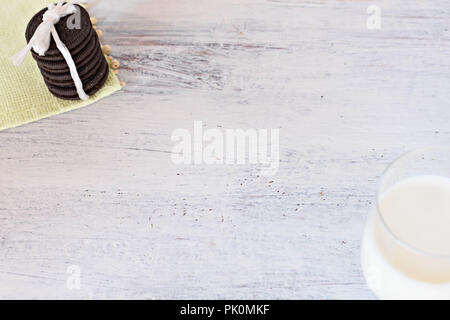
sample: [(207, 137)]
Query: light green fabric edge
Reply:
[(24, 97)]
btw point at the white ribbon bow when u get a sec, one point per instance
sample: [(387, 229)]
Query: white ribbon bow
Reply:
[(40, 42)]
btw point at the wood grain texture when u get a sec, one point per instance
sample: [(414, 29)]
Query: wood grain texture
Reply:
[(97, 188)]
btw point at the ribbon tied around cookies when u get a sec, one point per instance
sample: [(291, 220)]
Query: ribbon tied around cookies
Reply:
[(40, 41)]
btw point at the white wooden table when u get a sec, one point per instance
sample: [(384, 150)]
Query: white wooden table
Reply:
[(95, 190)]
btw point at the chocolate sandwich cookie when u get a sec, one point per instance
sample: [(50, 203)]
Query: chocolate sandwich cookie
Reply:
[(70, 83), (77, 53), (82, 59), (82, 71), (85, 49), (72, 30), (90, 87)]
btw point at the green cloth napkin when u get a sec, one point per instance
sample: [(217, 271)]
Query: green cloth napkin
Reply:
[(24, 97)]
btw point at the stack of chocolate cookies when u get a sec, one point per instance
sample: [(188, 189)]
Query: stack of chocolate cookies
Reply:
[(77, 33)]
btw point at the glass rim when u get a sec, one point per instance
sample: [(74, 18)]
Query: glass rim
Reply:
[(378, 210)]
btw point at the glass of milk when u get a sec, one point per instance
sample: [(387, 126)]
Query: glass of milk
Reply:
[(406, 244)]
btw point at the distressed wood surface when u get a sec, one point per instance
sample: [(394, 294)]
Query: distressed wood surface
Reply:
[(96, 188)]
